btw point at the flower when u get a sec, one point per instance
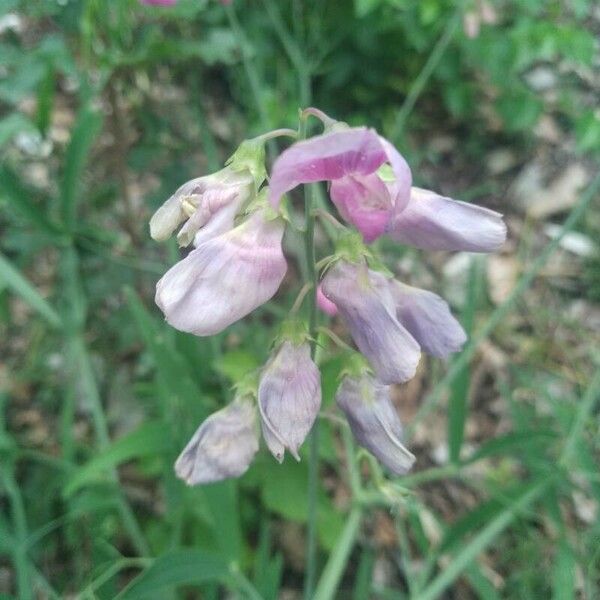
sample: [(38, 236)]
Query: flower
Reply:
[(289, 397), (366, 304), (428, 319), (226, 277), (433, 222), (211, 201), (349, 158), (373, 420), (222, 447)]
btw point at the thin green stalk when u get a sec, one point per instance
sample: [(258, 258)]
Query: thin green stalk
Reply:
[(334, 569), (249, 69), (500, 313), (313, 461), (421, 81)]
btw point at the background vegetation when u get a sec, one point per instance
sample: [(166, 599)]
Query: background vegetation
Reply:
[(106, 108)]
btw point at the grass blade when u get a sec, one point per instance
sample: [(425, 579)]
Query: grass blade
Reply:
[(484, 538), (20, 286)]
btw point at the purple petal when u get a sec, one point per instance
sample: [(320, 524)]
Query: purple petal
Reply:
[(433, 222), (289, 398), (428, 319), (367, 306), (222, 447), (356, 151), (225, 278), (363, 201), (374, 421), (159, 2)]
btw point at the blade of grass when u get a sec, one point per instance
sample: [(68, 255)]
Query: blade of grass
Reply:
[(459, 389), (13, 278), (503, 310), (334, 568), (469, 551)]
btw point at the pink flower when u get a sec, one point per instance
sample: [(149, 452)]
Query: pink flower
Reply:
[(367, 306), (374, 421), (289, 398), (222, 447), (225, 278), (349, 158), (433, 222), (206, 205)]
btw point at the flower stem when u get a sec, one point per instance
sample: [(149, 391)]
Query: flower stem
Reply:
[(313, 461)]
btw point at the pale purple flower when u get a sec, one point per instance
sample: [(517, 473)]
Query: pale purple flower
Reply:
[(226, 277), (433, 222), (374, 421), (222, 447), (364, 301), (428, 319), (206, 205), (349, 158), (289, 398)]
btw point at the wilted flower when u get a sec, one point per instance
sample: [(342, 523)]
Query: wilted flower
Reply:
[(428, 319), (289, 397), (223, 446), (349, 158), (366, 304), (433, 222), (226, 277), (374, 421), (209, 202)]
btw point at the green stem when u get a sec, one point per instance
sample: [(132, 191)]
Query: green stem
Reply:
[(334, 569), (313, 464)]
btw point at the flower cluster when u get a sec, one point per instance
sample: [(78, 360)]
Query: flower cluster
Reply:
[(235, 224)]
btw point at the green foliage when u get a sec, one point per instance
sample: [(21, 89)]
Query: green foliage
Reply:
[(98, 395)]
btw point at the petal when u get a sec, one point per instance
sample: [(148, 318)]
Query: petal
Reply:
[(212, 202), (367, 306), (222, 447), (324, 304), (364, 201), (221, 222), (374, 421), (403, 176), (325, 157), (428, 319), (225, 278), (433, 222), (289, 398)]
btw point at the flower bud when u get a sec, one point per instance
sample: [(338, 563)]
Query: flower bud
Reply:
[(324, 304), (374, 421), (432, 222), (428, 319), (199, 201), (289, 397), (222, 447), (225, 278), (365, 303)]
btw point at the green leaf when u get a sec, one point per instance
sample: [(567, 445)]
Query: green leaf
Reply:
[(87, 127), (150, 439), (20, 286), (512, 442), (174, 569), (563, 581)]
